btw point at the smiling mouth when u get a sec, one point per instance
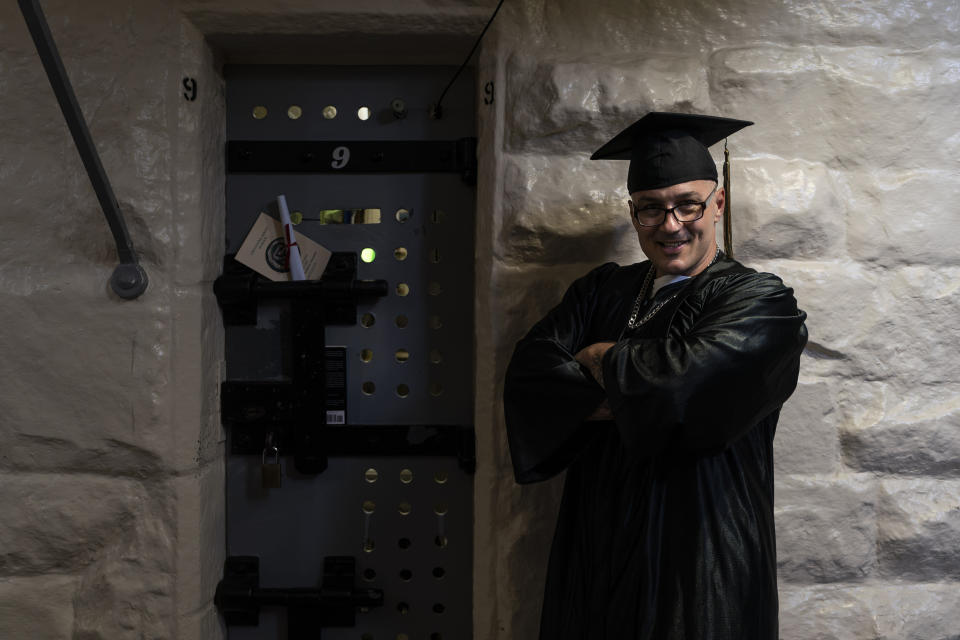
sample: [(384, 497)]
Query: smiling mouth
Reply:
[(673, 245)]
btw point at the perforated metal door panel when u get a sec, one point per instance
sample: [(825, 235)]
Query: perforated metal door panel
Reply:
[(421, 559), (406, 519)]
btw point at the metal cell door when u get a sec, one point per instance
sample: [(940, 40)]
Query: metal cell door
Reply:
[(349, 400)]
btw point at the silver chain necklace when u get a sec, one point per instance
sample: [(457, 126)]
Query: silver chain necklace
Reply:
[(633, 323)]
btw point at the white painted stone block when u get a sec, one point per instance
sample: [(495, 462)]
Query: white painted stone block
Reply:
[(871, 324), (807, 439), (786, 209), (112, 534), (826, 528), (913, 430), (859, 108), (917, 611), (919, 529), (66, 523), (566, 210), (568, 107), (83, 382), (37, 607), (841, 300), (523, 296), (691, 25), (904, 215), (904, 611), (825, 613), (913, 340)]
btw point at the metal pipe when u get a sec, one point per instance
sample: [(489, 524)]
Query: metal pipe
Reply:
[(129, 279)]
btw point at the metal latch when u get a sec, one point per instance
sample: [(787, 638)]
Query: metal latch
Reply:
[(298, 405), (239, 597)]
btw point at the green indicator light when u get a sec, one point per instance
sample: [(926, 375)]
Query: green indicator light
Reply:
[(368, 255)]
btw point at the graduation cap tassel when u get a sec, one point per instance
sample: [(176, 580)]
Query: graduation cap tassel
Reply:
[(727, 224)]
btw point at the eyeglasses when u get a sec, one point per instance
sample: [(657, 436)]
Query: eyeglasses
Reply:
[(683, 212)]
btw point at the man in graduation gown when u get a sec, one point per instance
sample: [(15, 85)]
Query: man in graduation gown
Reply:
[(657, 387)]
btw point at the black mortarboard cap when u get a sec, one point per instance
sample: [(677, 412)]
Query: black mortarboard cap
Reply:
[(665, 149)]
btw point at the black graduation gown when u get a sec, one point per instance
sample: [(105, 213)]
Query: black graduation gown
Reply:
[(666, 525)]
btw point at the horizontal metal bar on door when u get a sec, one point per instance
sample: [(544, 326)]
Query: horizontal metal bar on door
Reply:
[(360, 156), (364, 440)]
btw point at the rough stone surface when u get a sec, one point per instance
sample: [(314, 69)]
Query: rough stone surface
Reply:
[(918, 611), (806, 440), (37, 607), (825, 613), (919, 529), (874, 324), (823, 87), (877, 231), (524, 296), (52, 525), (826, 528), (567, 108), (787, 209), (107, 367), (915, 434), (553, 27), (112, 535), (545, 221)]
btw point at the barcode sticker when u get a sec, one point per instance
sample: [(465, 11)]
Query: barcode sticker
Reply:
[(336, 417)]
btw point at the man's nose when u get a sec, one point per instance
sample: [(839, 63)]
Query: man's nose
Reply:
[(670, 222)]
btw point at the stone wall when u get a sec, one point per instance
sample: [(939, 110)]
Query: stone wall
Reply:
[(112, 468), (842, 188), (113, 473)]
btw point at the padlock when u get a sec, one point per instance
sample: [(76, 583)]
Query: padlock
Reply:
[(270, 472)]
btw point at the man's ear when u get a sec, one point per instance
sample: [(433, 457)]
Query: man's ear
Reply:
[(721, 199), (633, 218)]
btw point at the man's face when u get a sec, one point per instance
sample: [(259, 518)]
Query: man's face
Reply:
[(680, 248)]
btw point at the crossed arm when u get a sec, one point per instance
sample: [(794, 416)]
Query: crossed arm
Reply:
[(591, 357), (674, 390)]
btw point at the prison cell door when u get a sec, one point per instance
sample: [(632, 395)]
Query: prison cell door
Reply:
[(348, 401)]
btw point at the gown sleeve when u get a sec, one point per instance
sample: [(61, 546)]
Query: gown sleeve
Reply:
[(547, 393), (702, 388)]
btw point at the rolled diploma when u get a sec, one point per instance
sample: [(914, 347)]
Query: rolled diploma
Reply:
[(293, 251)]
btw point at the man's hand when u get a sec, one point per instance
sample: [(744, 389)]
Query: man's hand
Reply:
[(592, 356), (602, 412)]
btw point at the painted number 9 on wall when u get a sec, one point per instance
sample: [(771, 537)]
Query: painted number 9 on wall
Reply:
[(341, 156)]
